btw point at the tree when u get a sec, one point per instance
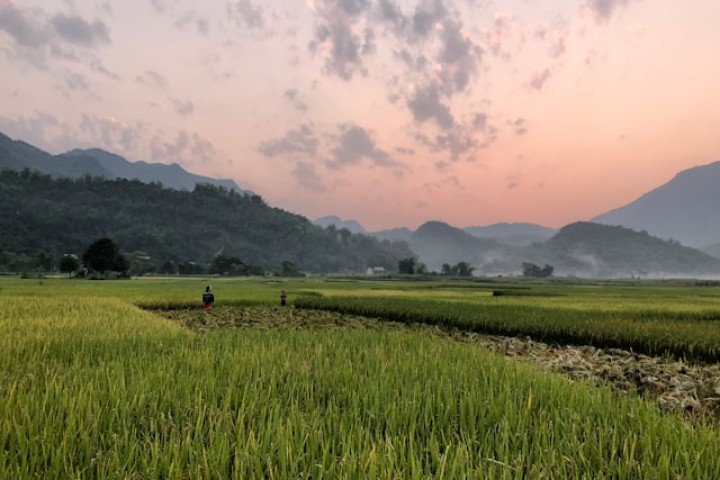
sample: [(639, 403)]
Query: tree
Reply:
[(168, 267), (223, 265), (406, 266), (190, 268), (532, 270), (44, 260), (103, 255), (345, 235), (69, 264), (289, 269), (463, 269)]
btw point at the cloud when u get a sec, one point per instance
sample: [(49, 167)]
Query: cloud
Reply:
[(202, 148), (183, 108), (139, 140), (602, 10), (23, 26), (352, 7), (306, 176), (463, 142), (557, 47), (389, 12), (538, 79), (479, 121), (356, 144), (519, 125), (441, 185), (343, 49), (425, 105), (109, 132), (293, 96), (246, 14), (38, 38), (151, 77), (187, 148), (459, 56), (76, 82), (426, 16), (507, 35), (405, 151), (414, 63), (96, 65), (78, 31), (158, 5), (513, 180), (36, 130), (458, 143), (299, 141), (193, 20)]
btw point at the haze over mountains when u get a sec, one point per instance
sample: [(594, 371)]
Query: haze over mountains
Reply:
[(581, 249), (649, 237), (686, 209)]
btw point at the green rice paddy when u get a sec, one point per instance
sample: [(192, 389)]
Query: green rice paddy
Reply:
[(93, 386)]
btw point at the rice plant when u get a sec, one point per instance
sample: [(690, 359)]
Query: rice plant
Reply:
[(97, 388)]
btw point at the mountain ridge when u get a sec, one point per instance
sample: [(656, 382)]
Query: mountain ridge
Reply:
[(495, 249), (686, 208), (17, 155)]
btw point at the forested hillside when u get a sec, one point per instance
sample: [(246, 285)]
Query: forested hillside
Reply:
[(591, 249), (44, 218)]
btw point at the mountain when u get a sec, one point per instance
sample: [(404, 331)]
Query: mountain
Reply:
[(591, 249), (394, 234), (352, 225), (49, 217), (518, 234), (713, 250), (437, 243), (686, 209), (581, 249), (18, 155)]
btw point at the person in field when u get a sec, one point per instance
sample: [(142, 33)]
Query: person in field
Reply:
[(283, 297), (208, 299)]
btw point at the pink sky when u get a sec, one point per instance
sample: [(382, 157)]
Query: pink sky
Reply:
[(389, 112)]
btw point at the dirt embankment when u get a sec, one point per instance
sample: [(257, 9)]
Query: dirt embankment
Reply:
[(681, 387), (689, 389)]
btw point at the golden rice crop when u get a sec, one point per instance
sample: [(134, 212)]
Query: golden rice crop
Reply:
[(96, 388)]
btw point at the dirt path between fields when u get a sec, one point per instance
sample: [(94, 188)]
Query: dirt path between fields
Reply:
[(692, 390)]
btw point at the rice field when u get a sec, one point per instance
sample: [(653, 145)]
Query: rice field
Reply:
[(93, 386)]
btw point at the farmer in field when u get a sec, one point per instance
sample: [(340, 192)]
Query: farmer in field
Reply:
[(208, 299), (283, 297)]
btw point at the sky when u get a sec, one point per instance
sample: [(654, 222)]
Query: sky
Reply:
[(388, 112)]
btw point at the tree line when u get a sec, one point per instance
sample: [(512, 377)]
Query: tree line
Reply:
[(162, 230)]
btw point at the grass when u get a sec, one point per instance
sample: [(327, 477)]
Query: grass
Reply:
[(93, 387)]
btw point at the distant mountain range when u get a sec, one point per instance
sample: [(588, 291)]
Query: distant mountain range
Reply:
[(644, 238), (686, 209), (518, 234), (18, 155), (682, 212), (581, 249)]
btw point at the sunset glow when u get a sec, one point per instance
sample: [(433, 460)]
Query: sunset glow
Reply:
[(389, 112)]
